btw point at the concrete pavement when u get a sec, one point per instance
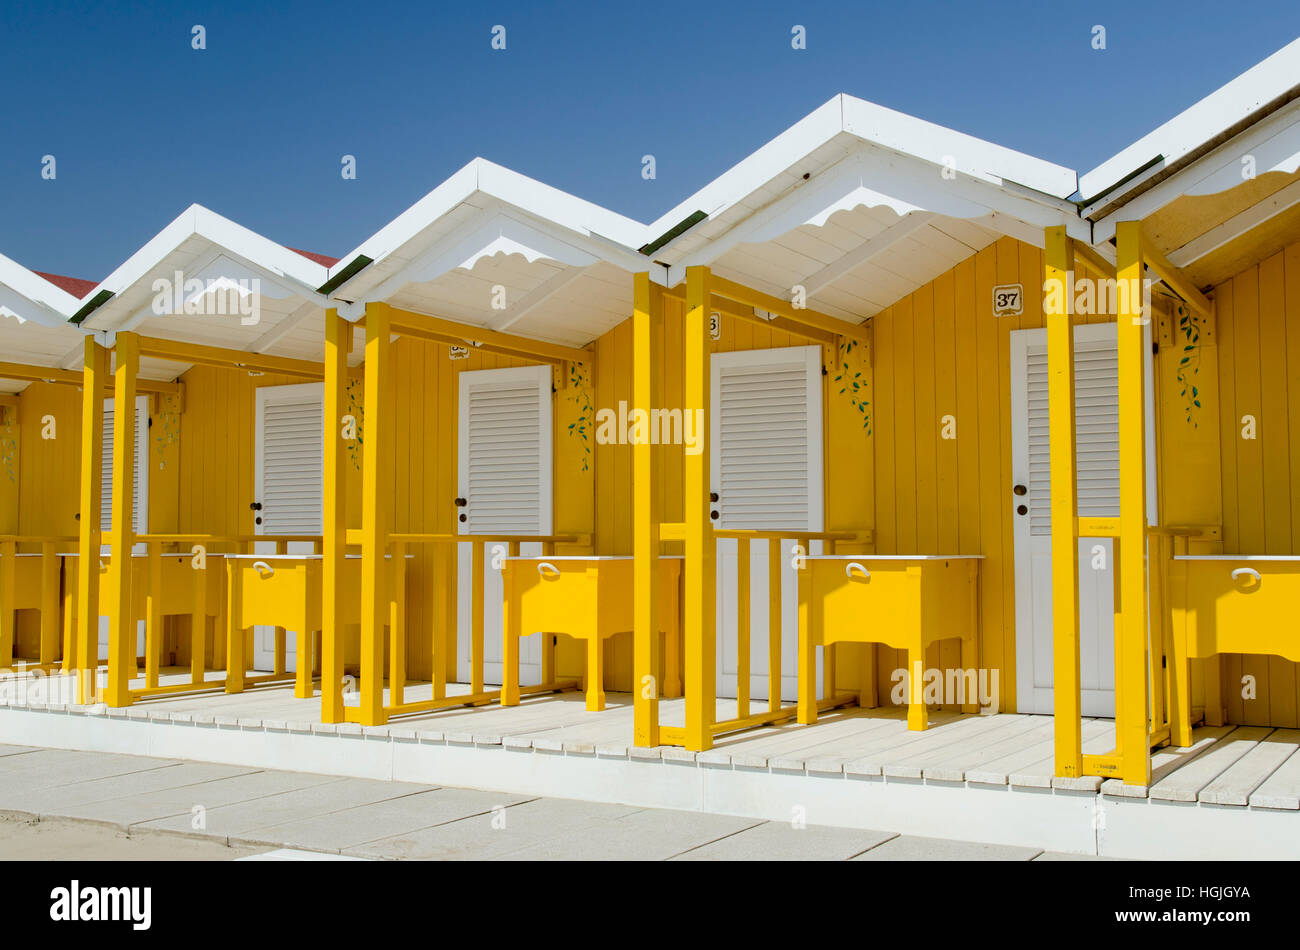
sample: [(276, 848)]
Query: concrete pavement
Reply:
[(67, 805)]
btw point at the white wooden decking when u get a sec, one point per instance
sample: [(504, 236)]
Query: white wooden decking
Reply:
[(986, 778)]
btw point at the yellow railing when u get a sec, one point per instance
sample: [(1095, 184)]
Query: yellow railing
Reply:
[(443, 621), (43, 596), (198, 607), (776, 712)]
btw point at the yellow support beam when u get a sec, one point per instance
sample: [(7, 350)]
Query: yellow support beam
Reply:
[(1171, 275), (338, 334), (1067, 682), (739, 311), (699, 629), (121, 624), (88, 529), (1091, 260), (23, 372), (647, 346), (178, 352), (1131, 713), (376, 487), (802, 315), (440, 330)]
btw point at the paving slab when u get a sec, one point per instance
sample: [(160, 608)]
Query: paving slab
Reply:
[(57, 840), (58, 769), (781, 841), (182, 802), (911, 848), (241, 817), (51, 800), (351, 827), (1064, 856), (648, 835), (497, 833)]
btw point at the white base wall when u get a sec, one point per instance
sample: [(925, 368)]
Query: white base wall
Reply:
[(1083, 822)]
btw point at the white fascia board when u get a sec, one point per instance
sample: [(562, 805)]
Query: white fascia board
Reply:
[(1273, 144), (877, 126), (29, 296), (967, 154), (752, 172), (1193, 127), (296, 274), (915, 187), (597, 230)]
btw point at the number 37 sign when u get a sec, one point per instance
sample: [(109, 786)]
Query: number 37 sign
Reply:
[(1008, 300)]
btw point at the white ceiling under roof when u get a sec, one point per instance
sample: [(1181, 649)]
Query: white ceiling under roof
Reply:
[(208, 263), (495, 249), (861, 205), (34, 328)]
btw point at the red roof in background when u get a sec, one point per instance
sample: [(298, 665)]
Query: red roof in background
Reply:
[(322, 259), (79, 288), (73, 285)]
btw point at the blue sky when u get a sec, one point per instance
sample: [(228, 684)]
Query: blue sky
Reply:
[(255, 126)]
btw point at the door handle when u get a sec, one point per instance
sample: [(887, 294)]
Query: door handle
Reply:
[(1020, 490), (255, 506)]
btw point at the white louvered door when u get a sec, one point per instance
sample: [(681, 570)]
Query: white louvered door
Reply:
[(1096, 377), (505, 476), (765, 446), (289, 484), (139, 496)]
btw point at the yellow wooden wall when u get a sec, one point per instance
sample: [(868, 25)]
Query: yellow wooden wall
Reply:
[(1258, 374)]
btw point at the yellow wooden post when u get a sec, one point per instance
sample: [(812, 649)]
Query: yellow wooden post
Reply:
[(1131, 726), (742, 627), (235, 664), (280, 647), (443, 611), (397, 625), (153, 625), (700, 631), (774, 624), (376, 485), (334, 521), (647, 327), (806, 666), (1059, 313), (70, 645), (1180, 703), (86, 631), (49, 603), (548, 639), (122, 623), (199, 623), (8, 580), (510, 632), (476, 621)]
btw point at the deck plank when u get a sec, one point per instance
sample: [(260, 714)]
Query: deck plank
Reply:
[(895, 747), (999, 771), (1098, 738), (1167, 760), (1235, 785), (1281, 789), (953, 768), (990, 730), (1184, 784)]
